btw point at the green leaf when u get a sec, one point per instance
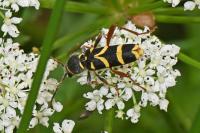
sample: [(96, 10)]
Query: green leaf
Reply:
[(47, 46), (195, 126), (77, 7), (175, 11), (147, 7), (78, 37), (177, 19)]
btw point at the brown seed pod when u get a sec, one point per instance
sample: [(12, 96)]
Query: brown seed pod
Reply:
[(144, 19)]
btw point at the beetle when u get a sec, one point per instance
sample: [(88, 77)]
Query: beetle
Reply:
[(105, 57)]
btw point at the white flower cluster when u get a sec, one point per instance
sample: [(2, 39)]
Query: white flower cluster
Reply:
[(148, 80), (188, 5), (8, 7), (16, 75), (66, 127), (17, 69)]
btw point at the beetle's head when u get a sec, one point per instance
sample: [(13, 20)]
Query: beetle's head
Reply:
[(74, 65)]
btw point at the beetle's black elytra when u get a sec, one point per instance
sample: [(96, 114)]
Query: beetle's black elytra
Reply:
[(104, 57)]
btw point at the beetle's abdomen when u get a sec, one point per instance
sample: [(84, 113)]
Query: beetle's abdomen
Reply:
[(112, 56)]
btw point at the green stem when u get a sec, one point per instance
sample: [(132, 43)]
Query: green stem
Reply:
[(186, 59), (134, 100), (109, 121), (177, 19), (77, 7), (47, 46), (2, 15)]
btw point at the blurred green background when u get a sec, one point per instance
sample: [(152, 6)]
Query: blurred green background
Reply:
[(83, 19)]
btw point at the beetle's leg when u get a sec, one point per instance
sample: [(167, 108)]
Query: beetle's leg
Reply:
[(88, 77), (62, 78), (106, 83), (101, 79), (110, 34), (122, 75), (134, 32), (86, 47), (97, 41)]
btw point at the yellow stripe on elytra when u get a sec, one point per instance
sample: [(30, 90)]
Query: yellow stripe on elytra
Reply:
[(137, 51), (102, 51), (104, 61), (135, 47), (92, 66), (137, 55), (119, 54)]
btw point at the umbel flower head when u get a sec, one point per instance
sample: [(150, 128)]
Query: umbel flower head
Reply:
[(149, 77), (188, 5), (16, 75)]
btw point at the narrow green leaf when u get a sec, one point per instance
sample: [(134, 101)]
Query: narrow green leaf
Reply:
[(88, 32), (47, 46), (195, 126), (177, 19), (147, 7), (65, 39), (188, 60), (77, 7), (175, 11)]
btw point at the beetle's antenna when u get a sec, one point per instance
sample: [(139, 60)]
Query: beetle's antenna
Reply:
[(62, 78)]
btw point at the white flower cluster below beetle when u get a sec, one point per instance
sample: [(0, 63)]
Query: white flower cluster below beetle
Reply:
[(151, 76), (188, 5)]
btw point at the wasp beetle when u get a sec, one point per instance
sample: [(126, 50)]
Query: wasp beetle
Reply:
[(104, 57)]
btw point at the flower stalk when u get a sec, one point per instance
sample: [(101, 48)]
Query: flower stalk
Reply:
[(188, 60)]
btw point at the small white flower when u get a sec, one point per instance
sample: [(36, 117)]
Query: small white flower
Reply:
[(9, 25), (120, 114), (96, 100), (175, 3), (117, 98), (35, 3), (57, 106), (41, 116), (163, 104), (189, 5), (67, 127), (153, 98), (134, 114)]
